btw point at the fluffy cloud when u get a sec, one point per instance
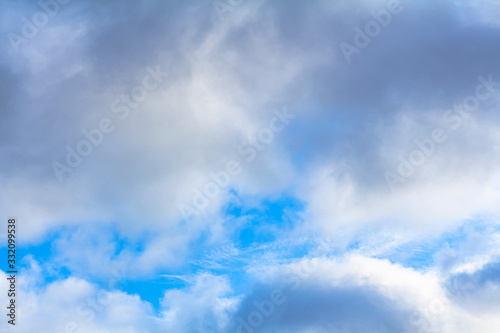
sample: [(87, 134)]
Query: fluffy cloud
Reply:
[(349, 294), (356, 294), (75, 305)]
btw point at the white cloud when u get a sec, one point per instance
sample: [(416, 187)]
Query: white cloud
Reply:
[(359, 293)]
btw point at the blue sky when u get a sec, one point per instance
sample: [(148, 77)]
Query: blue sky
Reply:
[(252, 166)]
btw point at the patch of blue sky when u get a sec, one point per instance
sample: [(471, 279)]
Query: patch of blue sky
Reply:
[(266, 221), (152, 290), (41, 252), (260, 237)]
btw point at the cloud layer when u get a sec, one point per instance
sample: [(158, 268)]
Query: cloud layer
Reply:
[(119, 118)]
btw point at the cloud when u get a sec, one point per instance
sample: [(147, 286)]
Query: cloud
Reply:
[(349, 293), (204, 306), (214, 98), (198, 112), (76, 305), (355, 294)]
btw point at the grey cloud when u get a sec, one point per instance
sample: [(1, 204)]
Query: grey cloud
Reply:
[(324, 309)]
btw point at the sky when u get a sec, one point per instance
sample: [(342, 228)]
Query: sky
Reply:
[(251, 166)]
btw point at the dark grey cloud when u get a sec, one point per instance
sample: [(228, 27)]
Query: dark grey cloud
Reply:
[(427, 67), (323, 309)]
